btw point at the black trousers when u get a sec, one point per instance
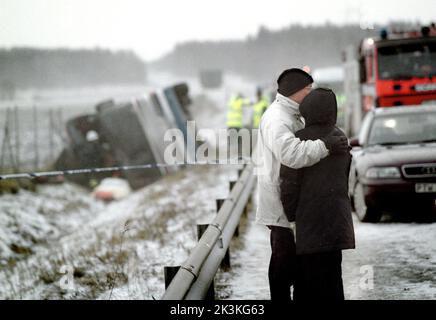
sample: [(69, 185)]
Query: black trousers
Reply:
[(319, 277), (282, 266)]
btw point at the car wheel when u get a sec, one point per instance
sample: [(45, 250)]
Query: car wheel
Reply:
[(364, 212), (428, 212)]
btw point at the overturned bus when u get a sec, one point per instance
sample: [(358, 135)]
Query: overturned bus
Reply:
[(127, 134)]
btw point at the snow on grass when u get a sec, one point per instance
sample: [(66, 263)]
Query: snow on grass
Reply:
[(117, 251), (30, 219)]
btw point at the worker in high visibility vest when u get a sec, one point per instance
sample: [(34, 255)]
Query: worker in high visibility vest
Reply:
[(235, 112), (235, 121), (259, 108), (341, 99)]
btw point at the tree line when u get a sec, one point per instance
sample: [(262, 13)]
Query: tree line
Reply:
[(266, 54), (41, 68)]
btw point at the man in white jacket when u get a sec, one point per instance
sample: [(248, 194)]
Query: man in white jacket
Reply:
[(278, 145)]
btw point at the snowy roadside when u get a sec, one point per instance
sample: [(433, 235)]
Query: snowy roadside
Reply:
[(116, 251), (392, 261), (60, 243), (401, 257)]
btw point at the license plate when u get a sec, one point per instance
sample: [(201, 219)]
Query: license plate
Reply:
[(425, 187), (425, 87)]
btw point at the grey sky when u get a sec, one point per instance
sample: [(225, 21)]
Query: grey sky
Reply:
[(153, 27)]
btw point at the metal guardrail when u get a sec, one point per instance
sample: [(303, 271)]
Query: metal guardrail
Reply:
[(195, 277)]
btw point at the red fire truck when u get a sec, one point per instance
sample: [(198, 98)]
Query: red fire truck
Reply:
[(395, 69)]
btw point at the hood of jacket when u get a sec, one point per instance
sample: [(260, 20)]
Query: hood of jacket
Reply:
[(319, 107)]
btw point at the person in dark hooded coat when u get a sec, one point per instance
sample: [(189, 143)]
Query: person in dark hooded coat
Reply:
[(317, 199)]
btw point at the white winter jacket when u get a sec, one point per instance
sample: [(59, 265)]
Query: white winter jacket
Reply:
[(276, 145)]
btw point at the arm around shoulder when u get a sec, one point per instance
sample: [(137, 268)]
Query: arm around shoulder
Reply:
[(280, 139)]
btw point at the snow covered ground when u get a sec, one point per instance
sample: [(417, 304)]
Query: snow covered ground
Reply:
[(401, 257), (60, 243), (392, 261), (115, 251)]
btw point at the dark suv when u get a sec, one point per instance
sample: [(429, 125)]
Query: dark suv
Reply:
[(394, 162)]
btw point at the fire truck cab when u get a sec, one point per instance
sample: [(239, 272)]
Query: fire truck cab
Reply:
[(396, 69)]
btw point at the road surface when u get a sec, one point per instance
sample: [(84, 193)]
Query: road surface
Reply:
[(392, 261)]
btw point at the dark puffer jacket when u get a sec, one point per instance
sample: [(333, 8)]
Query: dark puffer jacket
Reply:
[(317, 197)]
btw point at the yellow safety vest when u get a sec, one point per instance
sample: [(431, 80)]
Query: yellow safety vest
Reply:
[(340, 98), (234, 114), (258, 110)]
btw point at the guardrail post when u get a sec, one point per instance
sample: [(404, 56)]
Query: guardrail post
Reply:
[(240, 172), (201, 228), (232, 184), (219, 203), (194, 278), (248, 204), (245, 212), (225, 263), (169, 273)]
